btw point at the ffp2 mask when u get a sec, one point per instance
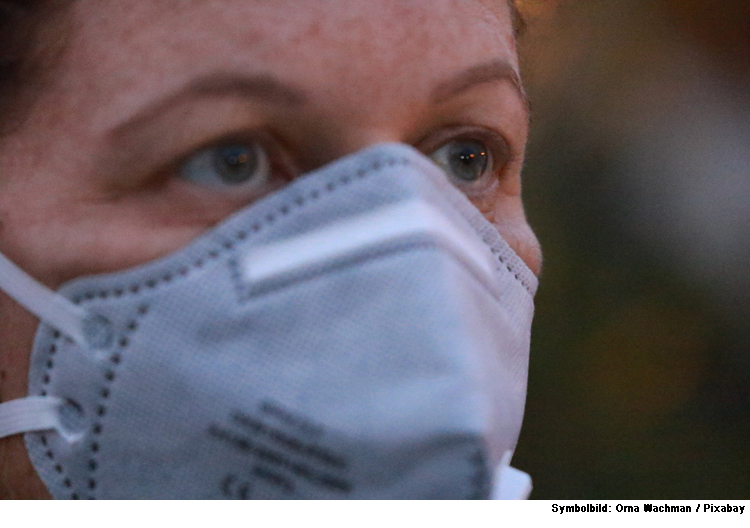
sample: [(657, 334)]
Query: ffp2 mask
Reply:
[(362, 333)]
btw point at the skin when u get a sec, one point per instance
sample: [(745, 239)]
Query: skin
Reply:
[(90, 181)]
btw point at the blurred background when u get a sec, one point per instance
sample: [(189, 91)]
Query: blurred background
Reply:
[(638, 185)]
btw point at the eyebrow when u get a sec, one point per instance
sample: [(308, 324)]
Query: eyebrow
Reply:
[(258, 87), (489, 72), (265, 87), (262, 87)]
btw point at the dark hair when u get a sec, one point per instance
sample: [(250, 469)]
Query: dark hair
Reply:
[(519, 24), (31, 40)]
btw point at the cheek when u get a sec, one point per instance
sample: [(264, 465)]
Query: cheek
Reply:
[(59, 241), (88, 240)]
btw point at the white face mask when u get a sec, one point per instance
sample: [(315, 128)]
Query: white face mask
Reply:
[(362, 333)]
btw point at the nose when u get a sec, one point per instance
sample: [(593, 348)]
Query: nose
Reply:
[(349, 142)]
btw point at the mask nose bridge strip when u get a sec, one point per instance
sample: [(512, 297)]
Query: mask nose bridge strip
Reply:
[(48, 306), (347, 237)]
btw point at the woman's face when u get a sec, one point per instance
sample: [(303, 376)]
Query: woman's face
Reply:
[(113, 166)]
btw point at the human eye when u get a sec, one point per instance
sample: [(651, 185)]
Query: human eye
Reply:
[(465, 161), (210, 180), (472, 160), (235, 166)]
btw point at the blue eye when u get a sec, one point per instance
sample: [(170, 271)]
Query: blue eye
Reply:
[(465, 161), (234, 166)]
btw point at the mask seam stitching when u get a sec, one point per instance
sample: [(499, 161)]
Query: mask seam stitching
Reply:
[(182, 272), (503, 262), (46, 379), (110, 374)]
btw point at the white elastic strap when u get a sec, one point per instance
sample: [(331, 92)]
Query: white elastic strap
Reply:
[(348, 237), (34, 413), (47, 305)]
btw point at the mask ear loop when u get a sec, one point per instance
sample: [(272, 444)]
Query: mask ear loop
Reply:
[(90, 331), (34, 413), (47, 305)]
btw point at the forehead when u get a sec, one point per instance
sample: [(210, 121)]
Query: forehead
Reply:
[(122, 46), (377, 22)]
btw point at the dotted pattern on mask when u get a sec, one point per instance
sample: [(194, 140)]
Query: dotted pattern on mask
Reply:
[(114, 358), (46, 379), (504, 262), (479, 479), (110, 374)]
